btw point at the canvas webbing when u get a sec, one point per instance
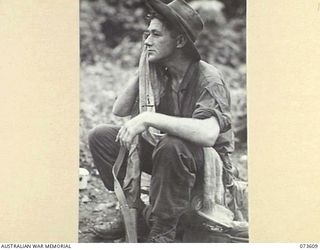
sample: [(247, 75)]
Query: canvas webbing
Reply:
[(129, 221), (128, 196)]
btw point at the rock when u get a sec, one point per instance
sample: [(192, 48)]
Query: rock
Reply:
[(104, 206), (95, 172), (244, 158), (111, 204), (83, 178), (92, 196), (85, 199), (118, 240)]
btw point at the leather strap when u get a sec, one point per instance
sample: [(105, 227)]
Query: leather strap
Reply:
[(129, 221)]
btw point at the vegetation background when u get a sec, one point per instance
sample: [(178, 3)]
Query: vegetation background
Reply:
[(110, 45)]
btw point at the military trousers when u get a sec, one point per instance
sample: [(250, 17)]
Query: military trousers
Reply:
[(175, 165)]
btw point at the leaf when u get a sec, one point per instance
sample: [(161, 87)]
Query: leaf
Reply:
[(210, 11)]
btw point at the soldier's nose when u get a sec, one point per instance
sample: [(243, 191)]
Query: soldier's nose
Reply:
[(148, 42)]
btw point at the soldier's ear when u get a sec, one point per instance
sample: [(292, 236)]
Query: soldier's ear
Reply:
[(181, 41)]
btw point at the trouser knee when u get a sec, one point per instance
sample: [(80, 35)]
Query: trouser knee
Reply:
[(172, 148), (168, 147), (104, 151), (175, 159), (173, 176), (102, 132)]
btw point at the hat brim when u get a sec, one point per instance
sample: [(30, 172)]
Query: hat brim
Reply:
[(165, 11)]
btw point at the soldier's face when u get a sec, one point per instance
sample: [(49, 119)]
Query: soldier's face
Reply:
[(159, 41)]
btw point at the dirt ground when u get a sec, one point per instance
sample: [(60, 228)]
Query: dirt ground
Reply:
[(98, 205)]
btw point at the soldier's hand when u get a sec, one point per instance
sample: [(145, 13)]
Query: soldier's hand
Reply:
[(131, 129)]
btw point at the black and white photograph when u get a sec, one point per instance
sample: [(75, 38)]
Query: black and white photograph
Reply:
[(163, 122), (159, 121)]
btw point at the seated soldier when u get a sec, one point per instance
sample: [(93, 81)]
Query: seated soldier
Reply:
[(194, 112)]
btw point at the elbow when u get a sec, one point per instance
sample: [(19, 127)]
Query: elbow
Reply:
[(118, 109), (118, 112), (207, 138), (115, 111), (210, 139), (211, 135)]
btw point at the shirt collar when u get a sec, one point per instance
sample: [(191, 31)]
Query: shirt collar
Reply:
[(189, 75)]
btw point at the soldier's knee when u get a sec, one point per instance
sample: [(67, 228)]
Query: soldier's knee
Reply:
[(99, 132), (93, 134), (168, 146)]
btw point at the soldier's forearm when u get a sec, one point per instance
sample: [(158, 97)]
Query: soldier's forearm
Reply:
[(125, 101), (203, 132)]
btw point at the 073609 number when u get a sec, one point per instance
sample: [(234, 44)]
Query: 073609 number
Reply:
[(308, 245)]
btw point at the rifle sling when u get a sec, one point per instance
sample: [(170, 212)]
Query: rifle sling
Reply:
[(129, 221)]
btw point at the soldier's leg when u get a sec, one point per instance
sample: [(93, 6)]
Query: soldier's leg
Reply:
[(176, 164), (104, 150)]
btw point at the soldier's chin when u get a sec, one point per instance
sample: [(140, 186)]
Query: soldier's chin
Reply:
[(152, 58)]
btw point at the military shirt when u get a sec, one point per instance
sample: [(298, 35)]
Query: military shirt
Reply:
[(201, 94)]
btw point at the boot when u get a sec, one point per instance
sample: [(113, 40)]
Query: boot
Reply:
[(162, 231), (110, 230), (143, 227), (115, 229)]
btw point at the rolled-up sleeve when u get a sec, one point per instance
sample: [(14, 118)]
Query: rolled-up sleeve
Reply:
[(214, 101)]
